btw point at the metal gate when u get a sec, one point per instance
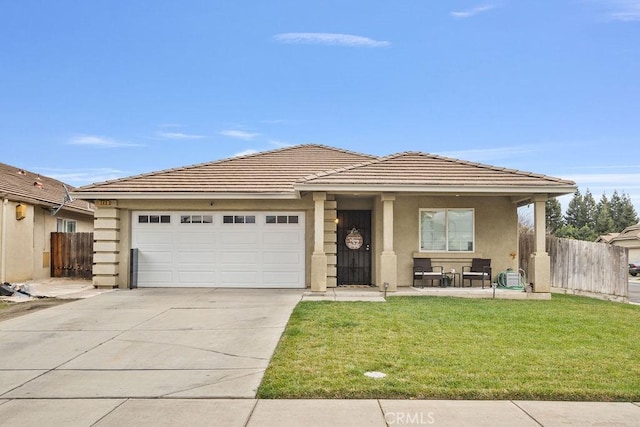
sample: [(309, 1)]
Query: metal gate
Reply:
[(354, 248)]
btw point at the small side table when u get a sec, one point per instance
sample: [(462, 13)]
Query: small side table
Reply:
[(453, 278)]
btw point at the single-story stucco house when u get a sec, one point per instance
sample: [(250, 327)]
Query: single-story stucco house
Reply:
[(606, 238), (629, 238), (29, 202), (314, 216)]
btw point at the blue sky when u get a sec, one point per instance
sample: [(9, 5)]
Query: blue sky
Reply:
[(94, 90)]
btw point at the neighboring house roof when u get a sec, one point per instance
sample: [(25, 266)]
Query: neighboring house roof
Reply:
[(606, 238), (286, 172), (20, 185), (630, 233)]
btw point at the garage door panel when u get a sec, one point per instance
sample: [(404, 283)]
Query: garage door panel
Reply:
[(281, 258), (157, 258), (156, 277), (280, 278), (238, 239), (181, 251), (239, 257), (201, 267), (197, 257), (153, 237), (197, 277), (281, 238), (195, 238), (239, 277)]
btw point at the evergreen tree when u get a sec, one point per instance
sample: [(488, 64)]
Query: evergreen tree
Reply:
[(574, 211), (628, 214), (566, 232), (581, 210), (589, 210), (604, 222), (553, 215), (615, 206), (622, 212), (586, 233), (586, 220)]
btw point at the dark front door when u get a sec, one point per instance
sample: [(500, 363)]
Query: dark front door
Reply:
[(354, 248)]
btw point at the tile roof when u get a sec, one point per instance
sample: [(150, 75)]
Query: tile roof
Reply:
[(606, 238), (23, 186), (423, 169), (288, 170), (630, 233), (266, 172)]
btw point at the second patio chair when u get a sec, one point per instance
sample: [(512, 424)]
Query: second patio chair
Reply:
[(480, 270)]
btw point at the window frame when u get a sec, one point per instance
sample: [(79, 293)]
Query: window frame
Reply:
[(242, 219), (198, 218), (62, 225), (446, 232), (154, 218), (281, 219)]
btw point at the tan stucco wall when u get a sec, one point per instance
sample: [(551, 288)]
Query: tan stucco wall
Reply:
[(18, 257), (496, 223), (28, 241), (496, 236)]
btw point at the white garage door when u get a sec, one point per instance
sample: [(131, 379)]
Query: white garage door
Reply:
[(219, 249)]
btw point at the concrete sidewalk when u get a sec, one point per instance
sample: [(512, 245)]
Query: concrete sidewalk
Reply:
[(311, 413)]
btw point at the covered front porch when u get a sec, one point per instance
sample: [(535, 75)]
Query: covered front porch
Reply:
[(385, 248)]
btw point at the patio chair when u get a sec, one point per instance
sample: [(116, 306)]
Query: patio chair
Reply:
[(480, 270), (423, 271)]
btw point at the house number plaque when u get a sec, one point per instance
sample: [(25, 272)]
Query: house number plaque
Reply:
[(354, 239)]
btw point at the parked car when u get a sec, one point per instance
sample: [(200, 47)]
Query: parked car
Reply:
[(634, 268)]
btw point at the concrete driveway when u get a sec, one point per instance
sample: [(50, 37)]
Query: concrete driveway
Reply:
[(151, 343)]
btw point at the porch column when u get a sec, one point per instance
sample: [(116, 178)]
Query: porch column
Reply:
[(319, 258), (388, 259), (540, 262)]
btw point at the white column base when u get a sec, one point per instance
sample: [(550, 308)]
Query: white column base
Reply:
[(318, 272), (389, 271), (540, 271)]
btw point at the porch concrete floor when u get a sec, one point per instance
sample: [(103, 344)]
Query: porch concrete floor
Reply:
[(374, 294)]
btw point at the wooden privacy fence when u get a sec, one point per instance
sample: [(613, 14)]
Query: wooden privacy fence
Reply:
[(583, 267), (72, 255)]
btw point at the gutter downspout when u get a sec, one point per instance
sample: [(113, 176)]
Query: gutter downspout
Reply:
[(3, 242)]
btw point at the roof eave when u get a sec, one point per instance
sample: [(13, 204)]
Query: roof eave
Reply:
[(113, 195), (46, 204), (555, 190)]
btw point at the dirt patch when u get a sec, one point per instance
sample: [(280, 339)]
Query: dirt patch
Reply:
[(9, 310)]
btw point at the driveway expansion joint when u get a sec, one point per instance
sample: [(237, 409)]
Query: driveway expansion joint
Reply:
[(525, 412)]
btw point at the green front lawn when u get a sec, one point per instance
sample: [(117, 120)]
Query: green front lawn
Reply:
[(569, 348)]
